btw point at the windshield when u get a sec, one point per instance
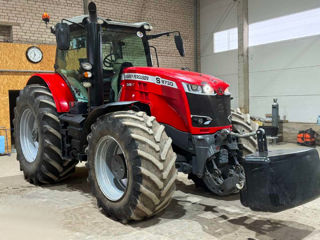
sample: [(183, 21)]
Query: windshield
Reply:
[(122, 46)]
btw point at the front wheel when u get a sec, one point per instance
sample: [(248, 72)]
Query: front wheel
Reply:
[(131, 165)]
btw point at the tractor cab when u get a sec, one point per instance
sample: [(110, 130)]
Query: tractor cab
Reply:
[(108, 47), (122, 45)]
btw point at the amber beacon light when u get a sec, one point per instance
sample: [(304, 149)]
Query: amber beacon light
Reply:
[(45, 17)]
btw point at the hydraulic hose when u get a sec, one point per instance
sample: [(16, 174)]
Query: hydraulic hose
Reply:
[(239, 135), (243, 135)]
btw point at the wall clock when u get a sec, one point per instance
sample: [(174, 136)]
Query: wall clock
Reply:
[(34, 54)]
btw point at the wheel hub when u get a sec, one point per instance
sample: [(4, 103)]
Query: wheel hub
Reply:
[(111, 168), (35, 135), (29, 135), (118, 166)]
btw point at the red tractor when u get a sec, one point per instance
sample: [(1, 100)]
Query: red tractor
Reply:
[(135, 124)]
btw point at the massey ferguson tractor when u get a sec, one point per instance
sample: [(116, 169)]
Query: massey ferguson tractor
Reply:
[(135, 125)]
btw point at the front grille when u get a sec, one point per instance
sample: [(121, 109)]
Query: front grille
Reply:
[(216, 107)]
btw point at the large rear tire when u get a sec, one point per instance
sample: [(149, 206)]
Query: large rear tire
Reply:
[(131, 165), (38, 138)]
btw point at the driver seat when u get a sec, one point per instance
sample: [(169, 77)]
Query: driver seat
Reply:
[(116, 79)]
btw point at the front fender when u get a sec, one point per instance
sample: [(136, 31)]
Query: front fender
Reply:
[(61, 92), (113, 107)]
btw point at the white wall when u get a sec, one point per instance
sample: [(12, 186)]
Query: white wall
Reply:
[(222, 65), (288, 70)]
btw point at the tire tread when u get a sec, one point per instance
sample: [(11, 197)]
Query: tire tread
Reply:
[(154, 163), (51, 168)]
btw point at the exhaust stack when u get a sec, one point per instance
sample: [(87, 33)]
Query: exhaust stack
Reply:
[(94, 55), (92, 12)]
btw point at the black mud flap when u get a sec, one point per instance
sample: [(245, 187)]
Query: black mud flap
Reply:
[(281, 179)]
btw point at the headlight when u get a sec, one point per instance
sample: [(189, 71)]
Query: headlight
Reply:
[(205, 89), (86, 66), (192, 88)]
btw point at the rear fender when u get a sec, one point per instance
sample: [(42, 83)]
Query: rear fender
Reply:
[(61, 92)]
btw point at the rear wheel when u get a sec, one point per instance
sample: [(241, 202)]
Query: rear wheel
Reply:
[(38, 138), (131, 165)]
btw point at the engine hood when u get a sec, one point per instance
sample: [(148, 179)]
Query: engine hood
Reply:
[(182, 76)]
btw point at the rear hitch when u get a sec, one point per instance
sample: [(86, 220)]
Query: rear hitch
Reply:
[(281, 179)]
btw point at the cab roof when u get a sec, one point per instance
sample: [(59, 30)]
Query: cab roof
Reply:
[(79, 19)]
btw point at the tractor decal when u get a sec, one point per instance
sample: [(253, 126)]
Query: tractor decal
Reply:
[(147, 78)]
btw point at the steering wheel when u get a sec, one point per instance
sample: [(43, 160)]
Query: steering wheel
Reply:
[(108, 60)]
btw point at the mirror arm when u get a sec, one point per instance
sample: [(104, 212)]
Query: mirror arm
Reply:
[(149, 37), (156, 52)]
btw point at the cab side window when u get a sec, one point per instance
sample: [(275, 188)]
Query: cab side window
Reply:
[(133, 51), (68, 63)]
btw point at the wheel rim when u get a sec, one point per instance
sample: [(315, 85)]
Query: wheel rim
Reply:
[(29, 135), (111, 168)]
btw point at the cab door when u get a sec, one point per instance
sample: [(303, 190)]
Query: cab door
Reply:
[(68, 63)]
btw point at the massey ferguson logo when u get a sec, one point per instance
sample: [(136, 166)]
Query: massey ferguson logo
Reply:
[(137, 76), (147, 78)]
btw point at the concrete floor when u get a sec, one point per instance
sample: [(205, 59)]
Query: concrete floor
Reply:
[(68, 211)]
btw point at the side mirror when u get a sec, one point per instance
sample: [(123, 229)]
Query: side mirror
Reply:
[(62, 32), (179, 44)]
